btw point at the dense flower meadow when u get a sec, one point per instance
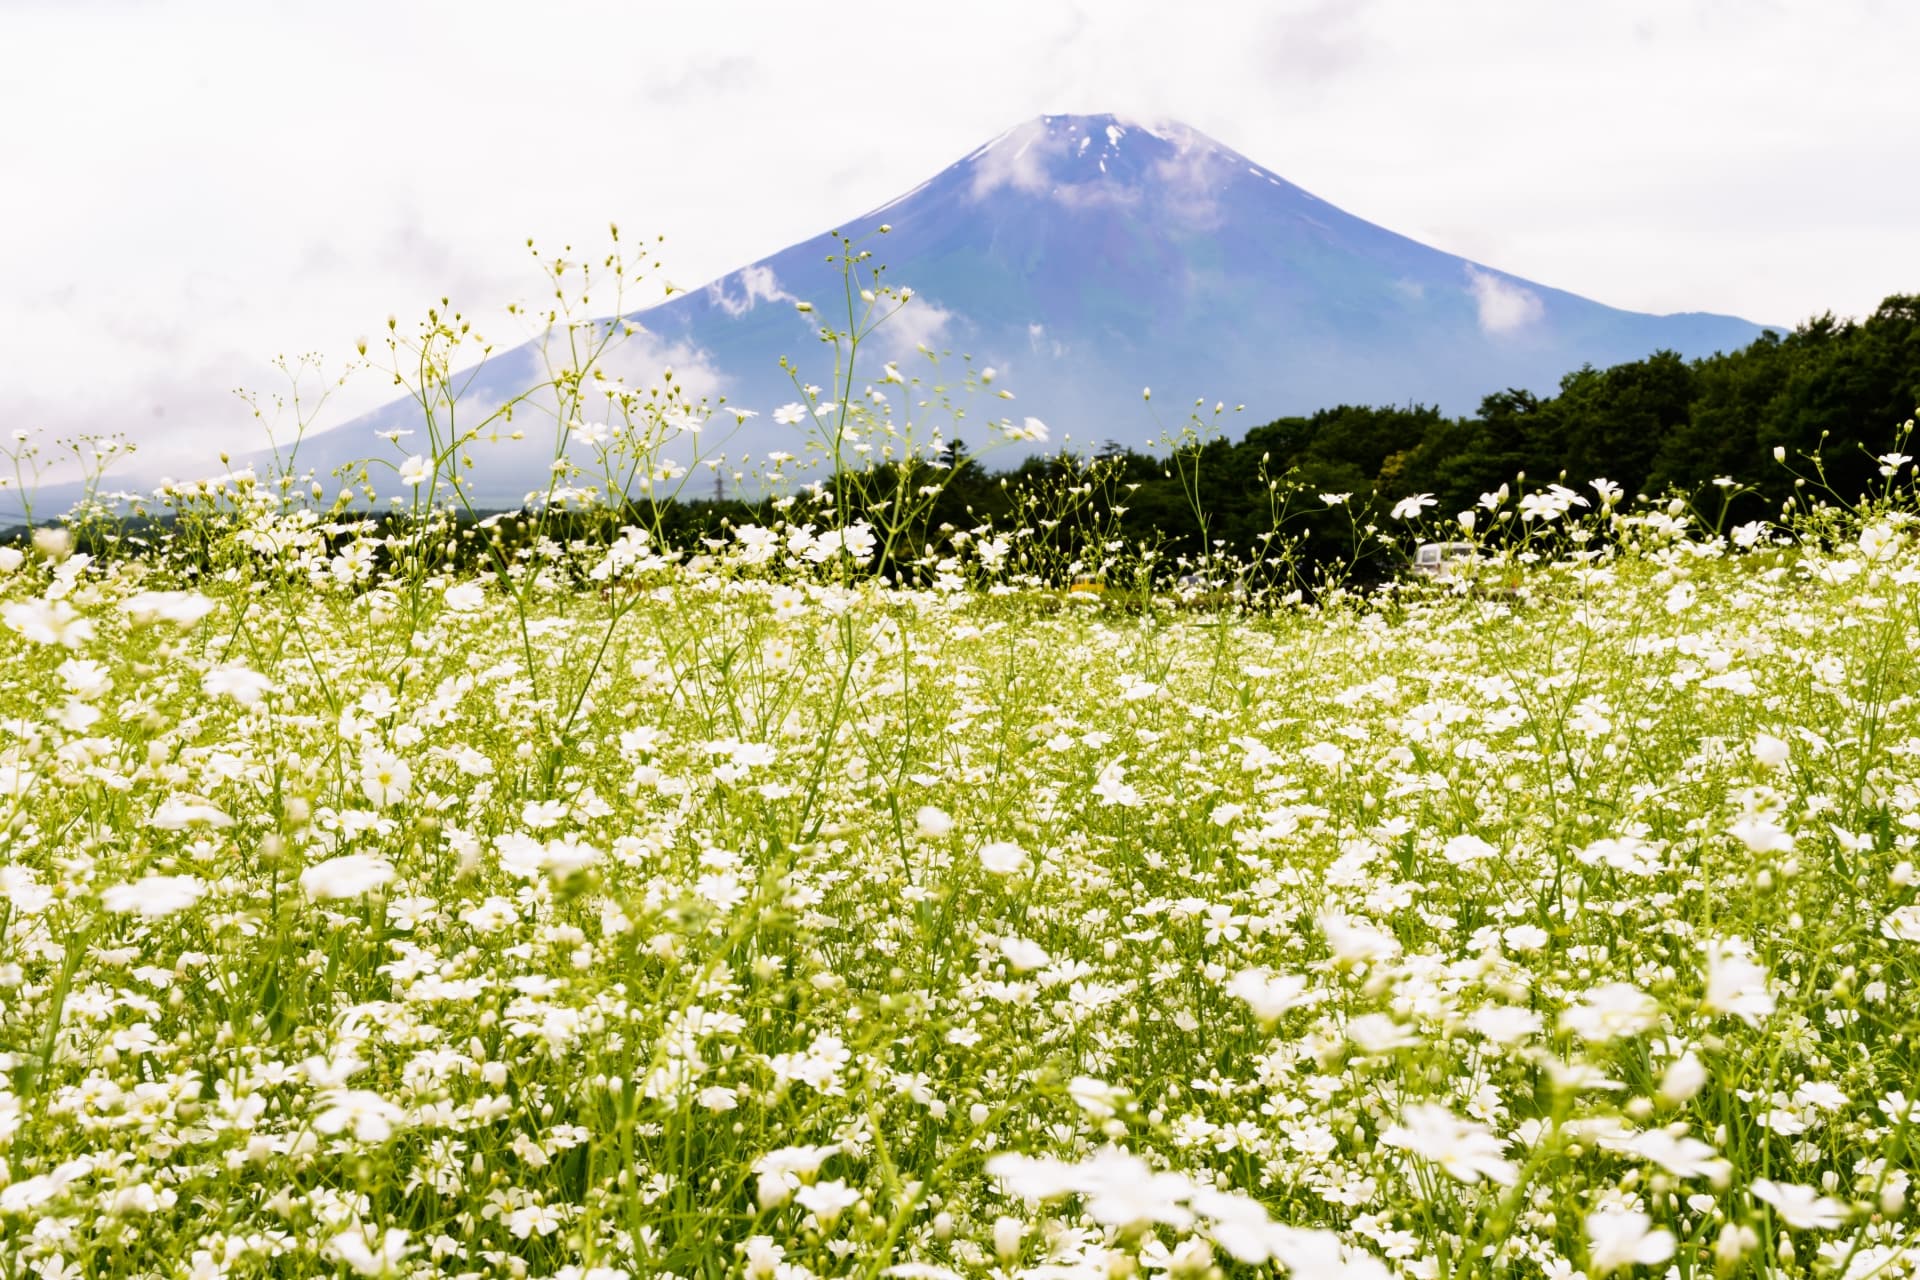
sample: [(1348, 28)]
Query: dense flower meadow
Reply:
[(630, 913)]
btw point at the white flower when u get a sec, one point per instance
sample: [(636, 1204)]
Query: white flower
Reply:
[(1802, 1208), (243, 685), (788, 414), (1760, 834), (84, 677), (370, 1117), (48, 622), (1356, 943), (414, 471), (1463, 850), (1095, 1097), (1736, 986), (763, 1257), (856, 541), (780, 1172), (1625, 853), (1524, 938), (181, 608), (1320, 1255), (1327, 755), (177, 813), (1682, 1157), (1119, 1188), (1684, 1078), (154, 896), (1612, 1010), (1409, 508), (466, 597), (380, 1257), (1771, 752), (1903, 925), (1466, 1150), (1623, 1238), (1003, 858), (1024, 956), (384, 778), (351, 875), (932, 823), (1377, 1034), (471, 762), (1504, 1023), (1877, 541), (1112, 788), (23, 889), (827, 1200), (756, 545), (1271, 995)]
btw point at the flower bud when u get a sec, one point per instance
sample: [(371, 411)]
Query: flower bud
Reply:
[(1007, 1234), (1682, 1080), (1731, 1245)]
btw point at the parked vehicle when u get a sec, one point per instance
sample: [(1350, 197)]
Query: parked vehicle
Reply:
[(1441, 561)]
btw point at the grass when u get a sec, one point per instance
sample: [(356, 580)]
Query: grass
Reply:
[(763, 919)]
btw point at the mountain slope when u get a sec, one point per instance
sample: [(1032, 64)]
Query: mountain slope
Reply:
[(1085, 257)]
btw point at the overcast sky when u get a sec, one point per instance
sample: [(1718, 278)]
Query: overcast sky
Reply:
[(189, 188)]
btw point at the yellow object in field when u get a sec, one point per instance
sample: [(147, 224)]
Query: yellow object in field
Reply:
[(1087, 585)]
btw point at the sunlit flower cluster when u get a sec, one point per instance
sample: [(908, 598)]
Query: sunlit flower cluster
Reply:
[(624, 909)]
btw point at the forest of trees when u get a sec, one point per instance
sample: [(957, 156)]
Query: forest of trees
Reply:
[(1842, 388)]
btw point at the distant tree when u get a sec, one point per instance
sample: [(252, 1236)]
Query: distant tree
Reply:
[(1837, 386), (1613, 422), (1732, 395)]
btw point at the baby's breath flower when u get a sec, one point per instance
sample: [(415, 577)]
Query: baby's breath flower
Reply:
[(352, 875), (181, 608), (1003, 858), (1465, 1150), (1619, 1238), (244, 685), (1800, 1207), (154, 896)]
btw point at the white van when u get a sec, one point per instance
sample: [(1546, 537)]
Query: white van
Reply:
[(1438, 560)]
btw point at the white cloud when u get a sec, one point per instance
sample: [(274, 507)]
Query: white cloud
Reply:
[(757, 284), (1040, 344), (921, 322), (1191, 178), (640, 360), (1020, 158), (1505, 307), (1095, 195)]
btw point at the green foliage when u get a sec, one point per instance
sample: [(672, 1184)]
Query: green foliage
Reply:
[(1824, 391)]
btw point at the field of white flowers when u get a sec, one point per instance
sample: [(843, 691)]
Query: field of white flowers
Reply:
[(631, 914)]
